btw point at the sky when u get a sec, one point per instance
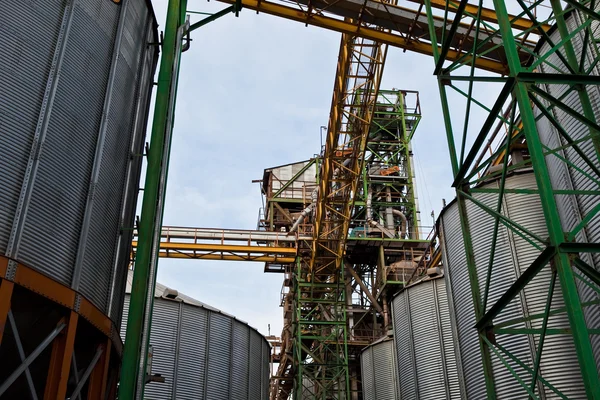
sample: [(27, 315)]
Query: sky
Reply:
[(253, 92)]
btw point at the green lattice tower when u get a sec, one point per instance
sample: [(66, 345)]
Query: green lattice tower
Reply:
[(395, 120), (568, 60), (320, 340)]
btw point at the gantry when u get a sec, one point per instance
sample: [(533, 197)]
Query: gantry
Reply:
[(459, 37)]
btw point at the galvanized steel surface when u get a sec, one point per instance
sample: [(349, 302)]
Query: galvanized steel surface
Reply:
[(76, 77), (378, 371), (423, 341), (204, 354), (512, 257), (568, 170)]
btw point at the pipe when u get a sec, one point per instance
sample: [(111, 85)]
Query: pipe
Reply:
[(308, 210), (386, 313), (336, 171), (370, 219), (389, 214), (403, 224)]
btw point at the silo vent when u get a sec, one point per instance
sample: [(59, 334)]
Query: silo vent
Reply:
[(170, 294)]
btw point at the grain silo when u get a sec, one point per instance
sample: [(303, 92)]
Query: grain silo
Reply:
[(424, 345), (568, 167), (76, 79), (558, 363), (203, 353), (379, 374)]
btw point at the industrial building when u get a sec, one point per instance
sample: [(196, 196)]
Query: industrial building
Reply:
[(499, 299)]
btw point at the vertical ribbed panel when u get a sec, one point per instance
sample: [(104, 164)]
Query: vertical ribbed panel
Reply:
[(379, 375), (265, 378), (57, 82), (61, 185), (405, 354), (366, 367), (123, 328), (513, 256), (219, 357), (147, 64), (461, 306), (163, 338), (192, 353), (240, 361), (255, 367), (424, 344), (577, 174), (24, 70)]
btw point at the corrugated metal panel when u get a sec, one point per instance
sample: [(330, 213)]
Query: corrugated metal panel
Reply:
[(201, 357), (576, 175), (191, 367), (424, 344), (28, 59), (56, 83), (461, 306), (379, 375), (123, 328), (254, 391), (163, 338), (240, 361), (306, 180), (513, 255), (366, 367), (405, 355), (219, 357), (136, 12)]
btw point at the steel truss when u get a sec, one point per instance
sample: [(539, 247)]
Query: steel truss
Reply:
[(322, 363), (526, 99)]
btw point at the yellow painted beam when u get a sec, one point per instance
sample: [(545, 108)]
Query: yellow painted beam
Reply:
[(487, 14), (217, 247), (344, 26), (228, 257)]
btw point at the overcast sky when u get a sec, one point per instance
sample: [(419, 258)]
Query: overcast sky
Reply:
[(253, 93)]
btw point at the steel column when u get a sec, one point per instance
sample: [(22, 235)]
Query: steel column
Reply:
[(60, 360), (6, 291), (150, 211)]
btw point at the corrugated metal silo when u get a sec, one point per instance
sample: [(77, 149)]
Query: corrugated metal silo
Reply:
[(378, 371), (567, 169), (424, 342), (76, 79), (203, 353), (513, 255)]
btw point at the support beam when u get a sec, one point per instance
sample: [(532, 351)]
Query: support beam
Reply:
[(99, 378), (60, 360), (363, 287), (31, 358), (6, 291), (152, 210)]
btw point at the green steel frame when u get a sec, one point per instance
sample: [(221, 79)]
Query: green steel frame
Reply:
[(395, 119), (519, 107), (321, 371), (146, 262)]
